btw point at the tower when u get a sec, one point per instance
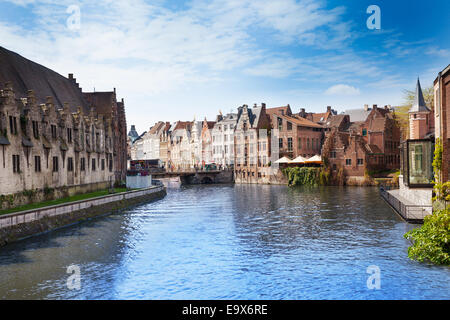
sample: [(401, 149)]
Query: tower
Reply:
[(419, 116)]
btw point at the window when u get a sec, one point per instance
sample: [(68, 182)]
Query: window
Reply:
[(69, 135), (360, 162), (70, 164), (13, 124), (53, 127), (110, 163), (280, 143), (55, 164), (93, 164), (35, 129), (348, 162), (299, 143), (333, 154), (364, 132), (280, 124), (289, 126), (37, 164), (334, 167), (307, 143), (16, 163), (82, 164), (289, 144)]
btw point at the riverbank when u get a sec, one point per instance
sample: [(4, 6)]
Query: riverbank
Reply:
[(20, 225)]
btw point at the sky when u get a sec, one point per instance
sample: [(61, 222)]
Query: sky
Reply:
[(180, 60)]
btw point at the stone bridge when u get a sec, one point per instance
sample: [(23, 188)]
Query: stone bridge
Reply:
[(193, 177)]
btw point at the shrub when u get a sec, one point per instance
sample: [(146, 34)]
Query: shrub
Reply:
[(431, 241)]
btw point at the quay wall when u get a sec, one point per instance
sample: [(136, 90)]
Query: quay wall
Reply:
[(20, 225), (25, 197)]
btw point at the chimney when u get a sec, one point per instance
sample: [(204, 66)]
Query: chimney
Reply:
[(366, 107), (374, 106), (70, 76), (263, 105)]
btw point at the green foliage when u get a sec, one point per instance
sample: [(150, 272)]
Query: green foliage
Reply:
[(29, 193), (442, 190), (306, 176), (48, 191), (431, 241)]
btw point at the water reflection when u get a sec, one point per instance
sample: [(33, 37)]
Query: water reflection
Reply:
[(229, 242)]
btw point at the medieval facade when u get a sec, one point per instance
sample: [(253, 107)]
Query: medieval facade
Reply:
[(54, 135)]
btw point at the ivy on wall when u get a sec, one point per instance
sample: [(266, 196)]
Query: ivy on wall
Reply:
[(307, 176)]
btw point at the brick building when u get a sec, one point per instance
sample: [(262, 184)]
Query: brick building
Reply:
[(297, 136), (52, 134), (421, 119), (442, 117), (358, 147)]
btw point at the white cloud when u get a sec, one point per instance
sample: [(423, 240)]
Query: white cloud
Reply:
[(342, 89)]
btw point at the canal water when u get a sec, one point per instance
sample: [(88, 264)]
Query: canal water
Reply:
[(229, 242)]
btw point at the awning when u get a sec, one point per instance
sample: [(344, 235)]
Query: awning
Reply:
[(283, 160), (315, 159), (299, 159)]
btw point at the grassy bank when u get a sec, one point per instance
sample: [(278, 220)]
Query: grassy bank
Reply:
[(77, 197)]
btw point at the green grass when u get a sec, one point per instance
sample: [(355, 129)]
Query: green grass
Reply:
[(62, 200)]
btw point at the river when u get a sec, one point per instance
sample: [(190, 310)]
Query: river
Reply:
[(229, 242)]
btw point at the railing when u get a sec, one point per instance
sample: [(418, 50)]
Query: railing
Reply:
[(408, 212)]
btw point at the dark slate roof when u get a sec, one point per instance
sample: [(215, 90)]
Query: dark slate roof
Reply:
[(27, 75), (102, 101), (419, 102)]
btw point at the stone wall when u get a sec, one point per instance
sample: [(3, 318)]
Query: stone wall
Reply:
[(38, 195), (417, 196), (16, 226)]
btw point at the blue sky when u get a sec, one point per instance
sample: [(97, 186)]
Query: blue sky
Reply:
[(173, 60)]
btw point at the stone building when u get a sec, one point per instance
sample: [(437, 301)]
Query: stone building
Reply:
[(52, 134)]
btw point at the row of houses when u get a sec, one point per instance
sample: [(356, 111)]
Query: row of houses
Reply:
[(251, 140)]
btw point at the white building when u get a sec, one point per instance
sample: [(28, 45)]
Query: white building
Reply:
[(223, 139)]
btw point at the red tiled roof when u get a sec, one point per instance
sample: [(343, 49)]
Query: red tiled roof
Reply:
[(278, 110), (301, 121)]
